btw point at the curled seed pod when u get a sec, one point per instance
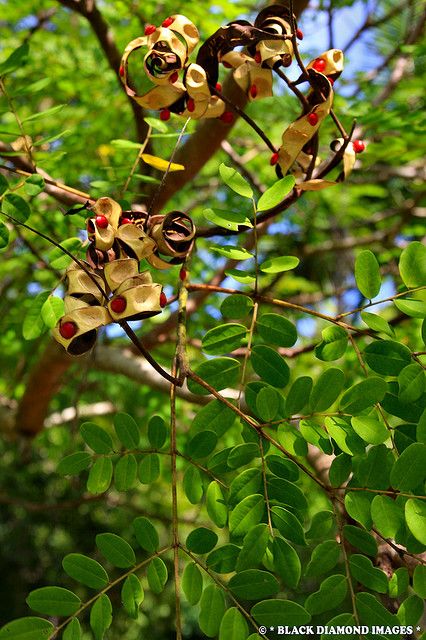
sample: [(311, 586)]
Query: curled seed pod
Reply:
[(174, 234)]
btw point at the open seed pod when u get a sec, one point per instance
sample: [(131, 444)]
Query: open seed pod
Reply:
[(118, 271), (76, 331), (101, 227), (200, 102), (134, 242), (174, 234), (136, 298), (85, 287), (275, 19)]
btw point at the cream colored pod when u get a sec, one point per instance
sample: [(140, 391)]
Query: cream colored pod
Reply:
[(101, 227), (135, 295), (200, 103), (134, 241)]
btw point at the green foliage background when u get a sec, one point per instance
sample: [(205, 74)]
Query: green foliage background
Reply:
[(306, 504)]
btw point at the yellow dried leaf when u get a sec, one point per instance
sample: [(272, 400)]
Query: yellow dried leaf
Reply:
[(160, 164), (315, 185)]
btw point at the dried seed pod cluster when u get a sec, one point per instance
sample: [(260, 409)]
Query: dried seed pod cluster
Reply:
[(269, 45), (108, 286)]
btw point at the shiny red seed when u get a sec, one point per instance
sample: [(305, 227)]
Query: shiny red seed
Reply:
[(331, 80), (163, 299), (299, 34), (101, 222), (126, 221), (313, 119), (167, 22), (253, 91), (68, 330), (257, 57), (319, 64), (119, 304), (218, 86), (358, 146), (174, 77), (274, 159), (227, 65), (121, 71), (149, 29), (227, 117), (164, 114), (182, 274), (190, 105)]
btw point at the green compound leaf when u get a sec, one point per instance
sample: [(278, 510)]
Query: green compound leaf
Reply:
[(415, 516), (212, 610), (223, 559), (4, 185), (231, 252), (333, 345), (298, 395), (330, 594), (412, 308), (157, 575), (33, 325), (419, 580), (192, 583), (372, 612), (236, 306), (321, 524), (132, 595), (245, 484), (241, 276), (268, 612), (15, 206), (242, 454), (125, 472), (72, 630), (101, 616), (387, 357), (146, 534), (362, 570), (276, 329), (116, 550), (127, 430), (267, 403), (327, 389), (227, 219), (74, 463), (193, 485), (270, 366), (363, 395), (286, 562), (53, 601), (29, 628), (4, 235), (409, 471), (233, 626), (388, 516), (279, 264), (52, 310), (17, 59), (246, 514), (340, 469), (412, 265), (357, 505), (235, 181), (377, 323), (276, 194), (370, 429), (100, 476), (411, 382), (149, 468), (157, 432), (324, 557), (224, 338), (96, 438), (218, 372), (254, 547), (216, 504), (85, 570), (399, 583), (282, 467), (360, 539), (253, 584), (367, 274), (34, 185), (411, 610), (202, 445), (288, 525), (201, 540), (60, 260), (214, 416)]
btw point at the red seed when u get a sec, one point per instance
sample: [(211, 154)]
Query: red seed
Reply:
[(121, 71), (253, 91), (331, 80), (149, 29), (257, 57), (227, 117), (126, 221), (227, 65), (119, 304), (174, 77), (313, 119), (358, 146), (218, 86), (164, 114), (101, 222), (319, 64), (190, 105), (163, 299), (299, 34), (274, 159), (68, 330), (167, 22), (182, 274)]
